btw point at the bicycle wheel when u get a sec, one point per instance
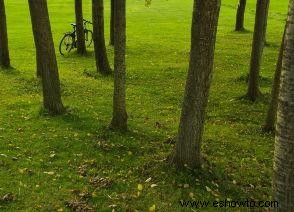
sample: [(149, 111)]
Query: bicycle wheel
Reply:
[(88, 37), (66, 44)]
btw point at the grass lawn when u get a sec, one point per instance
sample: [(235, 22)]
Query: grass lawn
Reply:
[(57, 163)]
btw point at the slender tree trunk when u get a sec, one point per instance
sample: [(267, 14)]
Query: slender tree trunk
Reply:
[(257, 49), (46, 55), (102, 63), (240, 16), (119, 119), (283, 180), (81, 46), (265, 25), (111, 42), (4, 52), (271, 117), (204, 28)]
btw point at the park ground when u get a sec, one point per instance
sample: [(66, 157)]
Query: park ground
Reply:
[(58, 163)]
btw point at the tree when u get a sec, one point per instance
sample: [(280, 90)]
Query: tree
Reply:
[(102, 63), (119, 119), (240, 16), (283, 180), (204, 27), (46, 55), (270, 120), (81, 46), (111, 42), (257, 49), (4, 51)]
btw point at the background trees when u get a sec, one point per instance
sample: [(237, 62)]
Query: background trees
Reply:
[(111, 42), (203, 35), (4, 51), (283, 181), (102, 63), (81, 46), (270, 121), (119, 119), (46, 55), (257, 48), (240, 16)]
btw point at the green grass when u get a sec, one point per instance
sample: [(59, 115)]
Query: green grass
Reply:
[(78, 147)]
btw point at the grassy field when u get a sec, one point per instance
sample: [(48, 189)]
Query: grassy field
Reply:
[(61, 162)]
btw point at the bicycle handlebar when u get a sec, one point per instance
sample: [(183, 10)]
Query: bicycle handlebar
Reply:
[(86, 22)]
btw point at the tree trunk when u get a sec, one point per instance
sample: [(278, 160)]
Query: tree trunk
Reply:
[(81, 46), (102, 63), (46, 56), (204, 27), (283, 180), (265, 24), (4, 52), (111, 42), (119, 119), (257, 49), (271, 117), (240, 16)]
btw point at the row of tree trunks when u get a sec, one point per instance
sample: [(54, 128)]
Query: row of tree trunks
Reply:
[(257, 49), (46, 54), (203, 35), (4, 52), (283, 180)]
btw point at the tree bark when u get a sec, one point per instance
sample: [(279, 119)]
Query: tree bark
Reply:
[(46, 55), (283, 180), (204, 27), (271, 117), (119, 119), (257, 49), (81, 46), (4, 51), (240, 16), (111, 42), (102, 62)]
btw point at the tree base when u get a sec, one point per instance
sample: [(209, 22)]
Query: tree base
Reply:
[(192, 162)]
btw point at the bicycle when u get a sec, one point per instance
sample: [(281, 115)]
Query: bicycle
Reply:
[(69, 40)]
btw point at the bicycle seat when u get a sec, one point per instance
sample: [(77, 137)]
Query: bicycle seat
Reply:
[(73, 24)]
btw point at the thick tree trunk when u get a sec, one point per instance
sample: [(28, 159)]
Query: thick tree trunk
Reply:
[(204, 28), (283, 181), (119, 119), (265, 24), (271, 117), (240, 16), (257, 49), (102, 63), (81, 46), (4, 52), (111, 42), (46, 54)]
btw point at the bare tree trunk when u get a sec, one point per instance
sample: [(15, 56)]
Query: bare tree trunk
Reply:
[(102, 63), (119, 119), (240, 16), (81, 46), (4, 51), (111, 42), (204, 28), (283, 180), (46, 54), (257, 49), (271, 117), (265, 24)]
